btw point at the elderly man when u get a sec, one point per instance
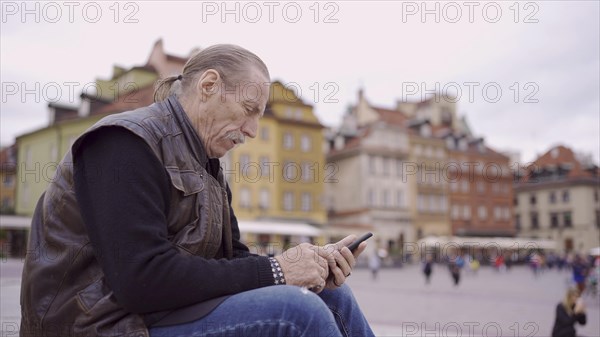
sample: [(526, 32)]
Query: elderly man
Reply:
[(138, 238)]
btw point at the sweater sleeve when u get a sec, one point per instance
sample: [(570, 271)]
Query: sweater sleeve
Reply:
[(123, 192)]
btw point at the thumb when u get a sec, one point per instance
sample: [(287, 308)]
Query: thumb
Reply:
[(346, 241)]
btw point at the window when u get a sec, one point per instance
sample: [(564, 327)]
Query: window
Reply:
[(386, 166), (450, 142), (291, 171), (244, 165), (244, 161), (497, 213), (534, 220), (466, 212), (9, 180), (371, 197), (425, 130), (552, 197), (596, 195), (428, 151), (264, 166), (465, 186), (506, 213), (598, 219), (480, 187), (433, 203), (496, 188), (305, 143), (265, 198), (264, 133), (482, 212), (553, 220), (399, 199), (288, 141), (288, 201), (6, 203), (399, 168), (565, 196), (518, 222), (567, 219), (455, 212), (454, 186), (443, 204), (306, 171), (418, 150), (386, 199), (516, 201), (421, 203), (306, 202), (532, 199), (372, 169), (244, 197)]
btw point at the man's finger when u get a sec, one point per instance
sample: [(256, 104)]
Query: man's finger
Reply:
[(346, 241)]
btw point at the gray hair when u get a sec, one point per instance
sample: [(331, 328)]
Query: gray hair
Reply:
[(229, 60)]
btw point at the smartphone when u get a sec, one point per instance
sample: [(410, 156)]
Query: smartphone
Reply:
[(355, 244)]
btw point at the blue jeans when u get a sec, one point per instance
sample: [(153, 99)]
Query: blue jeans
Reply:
[(278, 311)]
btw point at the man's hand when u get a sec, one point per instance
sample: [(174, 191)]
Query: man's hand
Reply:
[(340, 259), (302, 266)]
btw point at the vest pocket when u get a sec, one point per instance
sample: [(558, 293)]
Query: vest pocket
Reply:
[(187, 181)]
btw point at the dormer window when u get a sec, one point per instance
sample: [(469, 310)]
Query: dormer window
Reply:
[(450, 143), (446, 117), (462, 144), (481, 147), (426, 130)]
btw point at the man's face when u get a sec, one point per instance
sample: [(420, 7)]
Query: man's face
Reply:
[(228, 115)]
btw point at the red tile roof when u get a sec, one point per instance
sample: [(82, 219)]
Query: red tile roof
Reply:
[(128, 101), (564, 157)]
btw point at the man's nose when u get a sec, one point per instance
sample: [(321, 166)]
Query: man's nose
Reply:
[(250, 128)]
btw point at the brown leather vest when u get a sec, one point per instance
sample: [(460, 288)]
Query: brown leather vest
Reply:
[(64, 292)]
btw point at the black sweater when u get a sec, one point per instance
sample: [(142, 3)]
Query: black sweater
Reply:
[(123, 192), (564, 324)]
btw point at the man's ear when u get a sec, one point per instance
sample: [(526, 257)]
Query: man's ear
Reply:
[(208, 83)]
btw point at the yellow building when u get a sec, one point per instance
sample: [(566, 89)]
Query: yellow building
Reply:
[(428, 158), (277, 179), (40, 151)]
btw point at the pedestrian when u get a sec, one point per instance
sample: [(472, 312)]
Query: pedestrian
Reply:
[(427, 268), (374, 264), (570, 311), (499, 263), (474, 265), (142, 237), (454, 272), (580, 271)]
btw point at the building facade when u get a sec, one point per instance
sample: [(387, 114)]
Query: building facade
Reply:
[(557, 198), (370, 153), (8, 178)]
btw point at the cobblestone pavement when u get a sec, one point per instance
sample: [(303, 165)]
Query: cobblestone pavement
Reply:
[(398, 303)]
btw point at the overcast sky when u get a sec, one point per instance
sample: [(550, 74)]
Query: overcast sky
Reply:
[(546, 64)]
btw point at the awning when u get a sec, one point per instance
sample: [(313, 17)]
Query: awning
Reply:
[(281, 228), (15, 222), (485, 242)]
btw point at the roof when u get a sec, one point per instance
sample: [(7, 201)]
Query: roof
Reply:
[(395, 117), (128, 101), (559, 164)]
